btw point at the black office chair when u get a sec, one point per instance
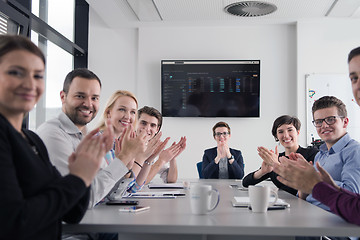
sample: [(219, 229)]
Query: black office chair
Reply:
[(199, 168)]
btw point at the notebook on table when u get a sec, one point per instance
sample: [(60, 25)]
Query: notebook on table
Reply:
[(245, 202)]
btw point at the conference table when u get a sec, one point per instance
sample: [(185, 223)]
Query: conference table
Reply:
[(172, 219)]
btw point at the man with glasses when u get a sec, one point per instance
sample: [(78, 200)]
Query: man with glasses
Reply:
[(222, 162), (295, 172), (339, 154)]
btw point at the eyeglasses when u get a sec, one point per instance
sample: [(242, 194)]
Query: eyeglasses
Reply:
[(328, 120), (218, 134)]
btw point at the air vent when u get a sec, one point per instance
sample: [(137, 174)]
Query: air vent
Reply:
[(250, 9)]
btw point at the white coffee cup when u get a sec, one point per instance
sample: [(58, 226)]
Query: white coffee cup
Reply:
[(260, 196), (202, 199)]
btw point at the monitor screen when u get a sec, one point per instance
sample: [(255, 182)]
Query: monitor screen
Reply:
[(210, 88)]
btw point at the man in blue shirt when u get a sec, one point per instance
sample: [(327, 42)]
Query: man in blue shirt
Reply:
[(339, 154)]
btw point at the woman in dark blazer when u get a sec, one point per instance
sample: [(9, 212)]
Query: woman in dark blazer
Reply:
[(35, 198), (222, 162)]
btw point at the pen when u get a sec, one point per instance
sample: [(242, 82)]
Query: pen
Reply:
[(150, 196), (127, 209)]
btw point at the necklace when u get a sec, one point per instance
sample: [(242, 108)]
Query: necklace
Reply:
[(32, 146)]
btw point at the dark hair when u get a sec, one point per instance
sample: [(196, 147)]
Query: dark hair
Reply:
[(152, 112), (284, 119), (220, 124), (353, 53), (9, 43), (328, 102), (79, 72)]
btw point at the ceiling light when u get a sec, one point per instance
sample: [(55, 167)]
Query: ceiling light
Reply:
[(250, 8)]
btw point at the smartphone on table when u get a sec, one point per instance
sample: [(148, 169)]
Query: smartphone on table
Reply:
[(134, 208), (274, 207), (123, 202)]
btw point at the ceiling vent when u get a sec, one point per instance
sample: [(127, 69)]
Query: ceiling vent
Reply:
[(250, 9)]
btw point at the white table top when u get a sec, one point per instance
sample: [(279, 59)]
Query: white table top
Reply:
[(173, 216)]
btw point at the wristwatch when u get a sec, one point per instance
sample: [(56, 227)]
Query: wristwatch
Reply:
[(148, 163), (232, 157)]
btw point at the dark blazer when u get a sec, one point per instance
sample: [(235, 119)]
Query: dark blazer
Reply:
[(307, 153), (35, 198), (211, 170)]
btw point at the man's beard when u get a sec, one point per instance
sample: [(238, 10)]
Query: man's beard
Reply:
[(73, 114)]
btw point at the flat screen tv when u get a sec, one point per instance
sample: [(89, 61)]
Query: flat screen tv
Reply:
[(210, 88)]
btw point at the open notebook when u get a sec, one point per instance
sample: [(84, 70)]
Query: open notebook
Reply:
[(245, 202)]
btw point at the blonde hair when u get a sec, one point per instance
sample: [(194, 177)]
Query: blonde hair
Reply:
[(110, 104)]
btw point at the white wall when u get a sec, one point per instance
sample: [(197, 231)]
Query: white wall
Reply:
[(113, 57), (273, 45), (322, 47)]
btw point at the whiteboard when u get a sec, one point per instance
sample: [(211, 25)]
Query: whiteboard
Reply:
[(338, 85)]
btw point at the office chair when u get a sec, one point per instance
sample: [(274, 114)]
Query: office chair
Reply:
[(199, 168)]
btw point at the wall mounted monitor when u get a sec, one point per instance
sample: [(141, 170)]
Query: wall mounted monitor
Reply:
[(210, 88)]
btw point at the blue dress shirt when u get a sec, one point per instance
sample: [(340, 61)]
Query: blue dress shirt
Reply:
[(342, 161)]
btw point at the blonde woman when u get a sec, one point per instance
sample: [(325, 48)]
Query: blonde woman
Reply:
[(121, 112), (121, 109)]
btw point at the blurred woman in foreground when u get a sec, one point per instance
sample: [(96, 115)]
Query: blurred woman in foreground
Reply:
[(35, 198)]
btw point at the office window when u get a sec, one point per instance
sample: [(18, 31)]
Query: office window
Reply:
[(59, 15), (3, 24), (7, 25), (60, 29), (58, 64), (58, 61)]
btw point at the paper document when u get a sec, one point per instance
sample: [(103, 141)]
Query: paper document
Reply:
[(245, 202), (166, 185)]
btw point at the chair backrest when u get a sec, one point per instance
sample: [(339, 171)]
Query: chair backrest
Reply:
[(199, 168)]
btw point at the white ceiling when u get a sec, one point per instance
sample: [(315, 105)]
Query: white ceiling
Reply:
[(116, 13)]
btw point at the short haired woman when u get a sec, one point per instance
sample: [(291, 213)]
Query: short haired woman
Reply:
[(285, 130), (222, 162)]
